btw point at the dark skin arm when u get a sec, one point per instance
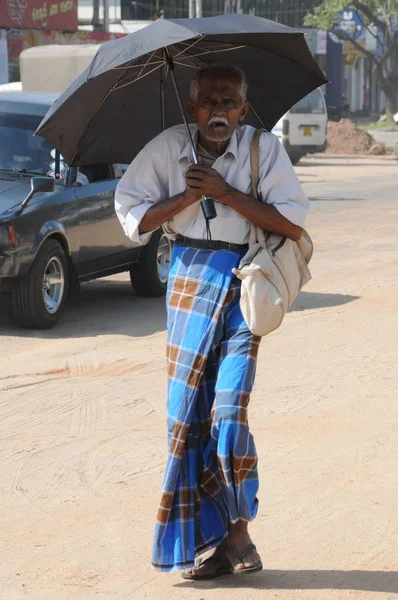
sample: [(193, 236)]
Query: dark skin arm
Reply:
[(204, 181), (208, 182), (165, 210)]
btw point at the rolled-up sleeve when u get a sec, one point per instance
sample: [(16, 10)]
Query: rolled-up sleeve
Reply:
[(141, 186), (279, 184)]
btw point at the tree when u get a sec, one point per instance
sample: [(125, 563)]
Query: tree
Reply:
[(379, 17)]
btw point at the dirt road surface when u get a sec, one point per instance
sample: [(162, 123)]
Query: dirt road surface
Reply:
[(82, 426)]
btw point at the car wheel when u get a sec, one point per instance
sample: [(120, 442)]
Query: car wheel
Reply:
[(149, 275), (39, 299), (294, 158)]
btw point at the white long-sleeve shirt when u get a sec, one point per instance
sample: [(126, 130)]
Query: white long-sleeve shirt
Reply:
[(157, 173)]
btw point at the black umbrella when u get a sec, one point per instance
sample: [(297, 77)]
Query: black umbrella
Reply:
[(125, 97)]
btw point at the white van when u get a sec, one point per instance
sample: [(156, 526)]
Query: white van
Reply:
[(51, 68), (302, 130)]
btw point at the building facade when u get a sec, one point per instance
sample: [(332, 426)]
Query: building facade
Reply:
[(289, 12)]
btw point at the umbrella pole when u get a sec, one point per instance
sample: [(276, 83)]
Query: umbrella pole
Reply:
[(207, 204)]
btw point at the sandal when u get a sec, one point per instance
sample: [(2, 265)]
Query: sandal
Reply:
[(241, 555), (222, 567)]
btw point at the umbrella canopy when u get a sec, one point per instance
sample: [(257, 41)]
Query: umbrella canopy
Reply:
[(126, 95)]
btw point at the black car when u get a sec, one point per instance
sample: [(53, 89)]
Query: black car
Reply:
[(58, 232)]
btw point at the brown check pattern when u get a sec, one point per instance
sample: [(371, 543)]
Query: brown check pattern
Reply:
[(211, 473)]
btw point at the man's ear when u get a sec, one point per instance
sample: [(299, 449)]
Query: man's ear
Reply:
[(191, 109), (244, 111)]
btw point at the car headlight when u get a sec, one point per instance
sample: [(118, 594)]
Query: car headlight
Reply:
[(7, 235)]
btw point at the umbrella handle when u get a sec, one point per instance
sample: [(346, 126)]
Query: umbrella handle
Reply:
[(207, 204)]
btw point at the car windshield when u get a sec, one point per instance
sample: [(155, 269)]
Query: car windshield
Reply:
[(311, 104), (20, 150)]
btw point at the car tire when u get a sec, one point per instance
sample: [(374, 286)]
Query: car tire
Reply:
[(295, 159), (38, 300), (150, 273)]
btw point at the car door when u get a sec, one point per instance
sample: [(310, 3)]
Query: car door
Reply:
[(102, 241)]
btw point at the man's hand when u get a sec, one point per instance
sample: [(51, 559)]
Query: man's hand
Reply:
[(191, 195), (207, 182), (165, 210)]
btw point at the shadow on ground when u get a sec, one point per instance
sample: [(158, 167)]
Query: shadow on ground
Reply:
[(365, 581), (107, 307), (310, 301), (104, 307)]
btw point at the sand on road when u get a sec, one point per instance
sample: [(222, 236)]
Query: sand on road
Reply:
[(82, 420)]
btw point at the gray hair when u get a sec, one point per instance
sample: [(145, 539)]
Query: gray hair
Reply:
[(230, 71)]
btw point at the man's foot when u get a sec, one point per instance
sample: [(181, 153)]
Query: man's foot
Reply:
[(242, 553), (236, 555), (214, 563)]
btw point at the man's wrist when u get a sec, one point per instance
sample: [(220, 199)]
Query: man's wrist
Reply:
[(232, 197), (188, 198)]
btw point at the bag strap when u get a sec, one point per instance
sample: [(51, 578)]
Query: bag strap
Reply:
[(256, 234), (305, 244), (255, 161)]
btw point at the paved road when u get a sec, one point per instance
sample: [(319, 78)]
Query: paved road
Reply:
[(82, 426)]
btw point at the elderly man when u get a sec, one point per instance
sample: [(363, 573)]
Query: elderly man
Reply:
[(211, 482)]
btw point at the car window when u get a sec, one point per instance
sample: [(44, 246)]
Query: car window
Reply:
[(21, 150), (120, 169), (93, 173), (311, 104)]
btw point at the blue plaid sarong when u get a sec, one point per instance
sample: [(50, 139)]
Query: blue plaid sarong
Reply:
[(211, 473)]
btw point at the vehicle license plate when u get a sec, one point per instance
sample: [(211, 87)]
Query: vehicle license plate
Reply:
[(307, 131)]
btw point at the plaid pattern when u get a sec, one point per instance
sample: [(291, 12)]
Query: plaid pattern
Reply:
[(211, 473)]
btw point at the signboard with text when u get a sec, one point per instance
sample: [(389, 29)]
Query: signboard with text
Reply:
[(55, 15), (351, 22)]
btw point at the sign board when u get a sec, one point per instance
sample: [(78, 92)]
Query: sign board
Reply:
[(349, 21), (352, 54), (54, 15)]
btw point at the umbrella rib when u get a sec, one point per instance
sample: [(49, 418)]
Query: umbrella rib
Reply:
[(186, 58), (113, 88), (163, 98), (91, 120), (176, 62), (138, 78), (217, 44), (189, 46), (212, 52), (257, 115), (159, 62), (149, 59)]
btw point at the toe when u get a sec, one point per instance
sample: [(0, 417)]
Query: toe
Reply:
[(251, 559)]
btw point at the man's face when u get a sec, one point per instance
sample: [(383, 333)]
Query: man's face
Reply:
[(218, 108)]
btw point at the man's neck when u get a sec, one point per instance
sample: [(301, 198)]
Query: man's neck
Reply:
[(213, 148)]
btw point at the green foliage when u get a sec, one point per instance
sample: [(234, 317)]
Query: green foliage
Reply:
[(376, 16), (324, 16)]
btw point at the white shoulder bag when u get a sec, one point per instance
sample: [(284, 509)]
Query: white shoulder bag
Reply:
[(273, 270)]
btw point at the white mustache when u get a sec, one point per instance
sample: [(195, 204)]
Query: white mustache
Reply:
[(218, 121)]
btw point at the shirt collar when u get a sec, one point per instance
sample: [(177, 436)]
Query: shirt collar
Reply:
[(232, 147)]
